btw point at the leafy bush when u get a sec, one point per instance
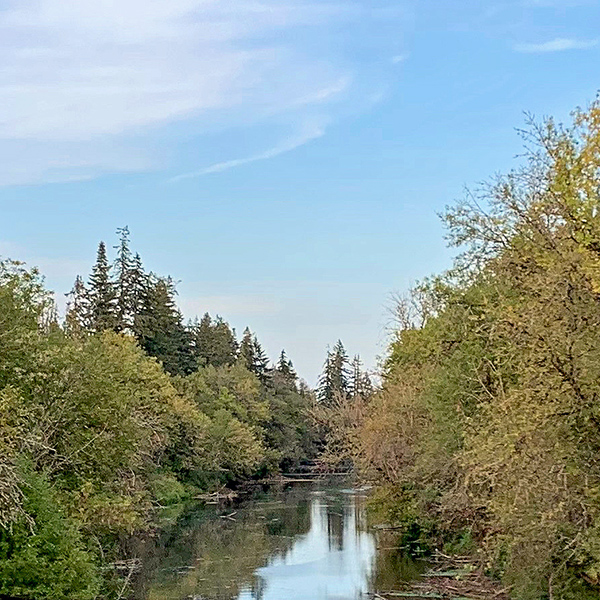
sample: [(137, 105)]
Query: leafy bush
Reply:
[(42, 554)]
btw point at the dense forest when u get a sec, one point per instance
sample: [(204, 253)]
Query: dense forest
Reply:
[(485, 436), (122, 408)]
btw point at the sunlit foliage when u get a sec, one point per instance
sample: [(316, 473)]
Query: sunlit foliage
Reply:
[(488, 423)]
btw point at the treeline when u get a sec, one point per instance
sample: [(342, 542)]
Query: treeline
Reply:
[(122, 297), (486, 435), (119, 410)]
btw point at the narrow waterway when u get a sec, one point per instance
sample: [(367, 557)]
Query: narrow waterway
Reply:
[(308, 541)]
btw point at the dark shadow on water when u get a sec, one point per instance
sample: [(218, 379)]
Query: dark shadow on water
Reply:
[(303, 542)]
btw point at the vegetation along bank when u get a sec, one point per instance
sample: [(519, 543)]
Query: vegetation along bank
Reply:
[(483, 439)]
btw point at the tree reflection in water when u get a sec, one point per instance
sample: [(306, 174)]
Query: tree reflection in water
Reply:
[(301, 543)]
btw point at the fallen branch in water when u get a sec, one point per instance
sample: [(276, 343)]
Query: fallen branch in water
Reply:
[(216, 497), (454, 578), (229, 516)]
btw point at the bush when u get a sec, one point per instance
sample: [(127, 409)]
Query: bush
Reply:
[(42, 555), (166, 489)]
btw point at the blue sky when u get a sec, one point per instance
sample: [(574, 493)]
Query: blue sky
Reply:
[(285, 160)]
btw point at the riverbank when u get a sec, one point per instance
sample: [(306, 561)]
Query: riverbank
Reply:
[(449, 578)]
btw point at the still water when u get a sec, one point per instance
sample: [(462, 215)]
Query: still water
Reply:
[(308, 541)]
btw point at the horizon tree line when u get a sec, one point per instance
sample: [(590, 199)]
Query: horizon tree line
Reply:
[(123, 297)]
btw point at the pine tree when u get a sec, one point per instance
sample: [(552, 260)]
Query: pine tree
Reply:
[(354, 385), (359, 385), (202, 334), (368, 389), (246, 354), (261, 362), (325, 384), (163, 333), (125, 298), (214, 342), (253, 356), (334, 381), (76, 320), (102, 297), (285, 371), (139, 282)]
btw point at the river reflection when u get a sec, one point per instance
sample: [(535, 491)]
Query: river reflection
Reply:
[(307, 542), (333, 560)]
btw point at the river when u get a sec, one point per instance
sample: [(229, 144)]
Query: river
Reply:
[(304, 541)]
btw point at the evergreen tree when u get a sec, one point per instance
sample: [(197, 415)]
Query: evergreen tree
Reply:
[(139, 282), (334, 381), (76, 321), (359, 384), (325, 384), (162, 331), (253, 357), (246, 355), (261, 362), (284, 371), (124, 291), (214, 342), (368, 389), (102, 313), (225, 342)]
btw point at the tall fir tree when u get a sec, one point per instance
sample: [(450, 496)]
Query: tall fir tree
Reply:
[(253, 357), (163, 333), (140, 283), (359, 384), (102, 311), (246, 354), (214, 342), (334, 381), (124, 291), (261, 362), (284, 371)]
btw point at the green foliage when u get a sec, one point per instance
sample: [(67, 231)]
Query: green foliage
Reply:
[(232, 388), (42, 555), (102, 295), (214, 343), (106, 431), (234, 449), (289, 429), (160, 328), (334, 381), (167, 489), (277, 416), (253, 357), (489, 411)]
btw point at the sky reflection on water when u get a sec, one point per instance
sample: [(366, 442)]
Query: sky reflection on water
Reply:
[(333, 561), (304, 542)]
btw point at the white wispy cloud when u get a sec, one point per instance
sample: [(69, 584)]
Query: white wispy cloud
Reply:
[(399, 58), (307, 135), (89, 87), (556, 45)]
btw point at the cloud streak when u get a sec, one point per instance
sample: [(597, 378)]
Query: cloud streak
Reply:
[(556, 45), (286, 146)]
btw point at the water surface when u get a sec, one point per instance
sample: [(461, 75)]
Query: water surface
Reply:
[(309, 541)]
